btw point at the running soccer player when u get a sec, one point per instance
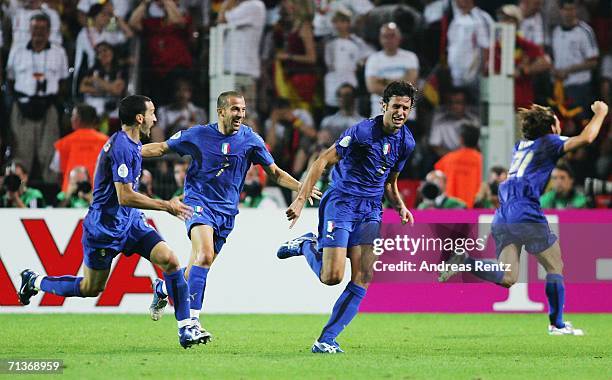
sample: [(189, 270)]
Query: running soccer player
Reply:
[(221, 153), (113, 224), (519, 220), (368, 158)]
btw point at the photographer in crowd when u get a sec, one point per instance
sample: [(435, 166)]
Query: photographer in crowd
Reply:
[(17, 194), (563, 194), (434, 194), (80, 192), (487, 196)]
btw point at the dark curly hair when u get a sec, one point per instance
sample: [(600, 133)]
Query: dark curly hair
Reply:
[(536, 121), (399, 88)]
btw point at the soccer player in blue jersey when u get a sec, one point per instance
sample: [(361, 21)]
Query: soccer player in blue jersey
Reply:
[(368, 159), (519, 220), (113, 223), (221, 153)]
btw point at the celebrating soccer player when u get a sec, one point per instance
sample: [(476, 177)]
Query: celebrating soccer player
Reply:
[(114, 225), (221, 153), (519, 220), (368, 158)]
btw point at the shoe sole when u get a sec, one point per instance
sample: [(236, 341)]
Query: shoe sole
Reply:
[(22, 300)]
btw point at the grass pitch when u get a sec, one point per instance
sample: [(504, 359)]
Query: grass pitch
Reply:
[(406, 346)]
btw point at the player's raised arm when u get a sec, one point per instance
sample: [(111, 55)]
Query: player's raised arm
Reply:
[(326, 159), (128, 197), (590, 132), (284, 179), (393, 195), (155, 149)]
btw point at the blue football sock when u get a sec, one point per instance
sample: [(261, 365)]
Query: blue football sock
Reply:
[(344, 311), (313, 257), (495, 276), (178, 291), (197, 285), (66, 286), (555, 292)]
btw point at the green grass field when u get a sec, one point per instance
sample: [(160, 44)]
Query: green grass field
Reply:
[(406, 346)]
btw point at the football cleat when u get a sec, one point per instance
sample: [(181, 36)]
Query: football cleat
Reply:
[(293, 247), (444, 276), (189, 336), (206, 337), (27, 289), (158, 304), (567, 330), (326, 348)]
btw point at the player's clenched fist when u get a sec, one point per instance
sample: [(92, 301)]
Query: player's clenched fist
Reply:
[(599, 108)]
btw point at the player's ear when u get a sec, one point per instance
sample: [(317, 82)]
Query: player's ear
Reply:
[(384, 106), (139, 118)]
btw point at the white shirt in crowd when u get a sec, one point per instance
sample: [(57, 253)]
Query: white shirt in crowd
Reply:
[(339, 122), (446, 129), (574, 46), (121, 7), (467, 35), (394, 67), (322, 23), (191, 115), (27, 68), (241, 53), (532, 29), (606, 66), (20, 24), (303, 115), (341, 57), (86, 43)]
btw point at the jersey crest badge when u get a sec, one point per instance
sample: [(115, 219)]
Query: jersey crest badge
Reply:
[(386, 148), (225, 148)]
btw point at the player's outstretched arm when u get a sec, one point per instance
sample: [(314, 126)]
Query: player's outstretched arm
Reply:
[(155, 149), (393, 195), (284, 179), (590, 132), (128, 197), (326, 159)]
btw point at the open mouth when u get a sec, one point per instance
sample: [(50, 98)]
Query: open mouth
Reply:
[(236, 122), (398, 120)]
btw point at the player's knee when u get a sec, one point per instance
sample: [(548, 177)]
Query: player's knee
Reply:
[(204, 259), (171, 263), (332, 277), (92, 290)]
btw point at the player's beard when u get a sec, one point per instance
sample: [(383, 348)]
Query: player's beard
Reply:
[(145, 130)]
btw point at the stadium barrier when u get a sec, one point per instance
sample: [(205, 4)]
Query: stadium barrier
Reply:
[(248, 278)]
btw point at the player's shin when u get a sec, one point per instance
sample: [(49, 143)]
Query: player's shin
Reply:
[(313, 257), (197, 285), (483, 269), (178, 291), (555, 292), (344, 311), (65, 286)]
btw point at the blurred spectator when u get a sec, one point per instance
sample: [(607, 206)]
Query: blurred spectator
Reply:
[(342, 56), (433, 192), (252, 193), (166, 32), (463, 167), (81, 147), (246, 20), (34, 72), (327, 9), (605, 74), (388, 65), (178, 115), (289, 133), (487, 196), (563, 194), (347, 116), (180, 172), (79, 193), (468, 41), (17, 193), (297, 53), (575, 54), (529, 59), (89, 37), (447, 122), (21, 13), (145, 184), (532, 25), (121, 9), (104, 84)]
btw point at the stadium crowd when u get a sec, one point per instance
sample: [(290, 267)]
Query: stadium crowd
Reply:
[(308, 70)]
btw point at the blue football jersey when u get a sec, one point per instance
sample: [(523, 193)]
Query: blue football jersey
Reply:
[(367, 155), (119, 161), (219, 164), (532, 163)]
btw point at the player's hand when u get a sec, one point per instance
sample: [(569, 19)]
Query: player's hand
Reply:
[(406, 216), (314, 194), (556, 128), (294, 211), (599, 108), (179, 209)]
